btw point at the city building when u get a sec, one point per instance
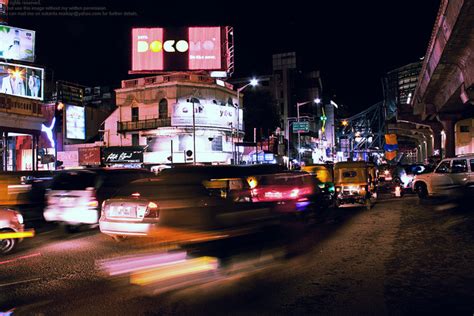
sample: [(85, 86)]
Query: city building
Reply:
[(288, 86), (154, 122)]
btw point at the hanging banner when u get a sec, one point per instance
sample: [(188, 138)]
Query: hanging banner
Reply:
[(391, 143)]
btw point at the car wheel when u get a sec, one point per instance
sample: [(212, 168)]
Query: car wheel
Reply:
[(7, 245), (422, 191)]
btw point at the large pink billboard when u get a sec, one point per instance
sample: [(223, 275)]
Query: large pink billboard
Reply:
[(205, 48), (147, 45), (178, 49)]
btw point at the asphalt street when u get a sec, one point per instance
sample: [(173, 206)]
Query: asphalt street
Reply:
[(401, 257)]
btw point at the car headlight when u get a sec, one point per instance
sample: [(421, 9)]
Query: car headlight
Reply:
[(19, 217)]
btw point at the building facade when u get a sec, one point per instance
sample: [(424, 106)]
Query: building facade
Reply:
[(155, 115)]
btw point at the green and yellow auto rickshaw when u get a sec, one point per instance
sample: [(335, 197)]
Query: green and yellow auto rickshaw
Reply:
[(324, 173), (355, 183)]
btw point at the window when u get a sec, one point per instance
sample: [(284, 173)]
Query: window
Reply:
[(163, 109), (135, 114), (459, 166), (349, 174), (135, 140), (217, 143), (464, 129), (472, 165), (443, 167)]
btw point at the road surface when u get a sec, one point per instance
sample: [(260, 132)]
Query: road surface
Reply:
[(400, 257)]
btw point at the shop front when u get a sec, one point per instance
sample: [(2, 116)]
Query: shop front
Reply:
[(123, 157)]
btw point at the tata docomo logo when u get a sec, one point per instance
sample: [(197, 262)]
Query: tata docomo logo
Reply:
[(171, 46)]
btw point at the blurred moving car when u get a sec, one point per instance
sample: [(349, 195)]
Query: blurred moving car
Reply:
[(452, 177), (10, 222), (385, 172), (355, 183), (75, 196), (292, 191), (405, 174), (198, 198)]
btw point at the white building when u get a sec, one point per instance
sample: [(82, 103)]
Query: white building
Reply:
[(156, 113)]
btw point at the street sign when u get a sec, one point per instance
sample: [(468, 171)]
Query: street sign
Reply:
[(300, 127)]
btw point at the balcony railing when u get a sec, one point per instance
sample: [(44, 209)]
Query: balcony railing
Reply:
[(143, 125)]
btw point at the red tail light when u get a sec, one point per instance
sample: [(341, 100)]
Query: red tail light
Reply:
[(295, 193)]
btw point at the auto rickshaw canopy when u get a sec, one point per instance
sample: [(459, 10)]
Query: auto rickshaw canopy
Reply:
[(352, 173), (322, 172)]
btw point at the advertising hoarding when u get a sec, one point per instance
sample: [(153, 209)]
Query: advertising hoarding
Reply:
[(75, 122), (21, 81), (70, 93), (89, 156), (17, 44), (206, 115), (178, 49), (3, 11), (123, 154)]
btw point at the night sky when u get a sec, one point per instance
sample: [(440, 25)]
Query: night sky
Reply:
[(352, 43)]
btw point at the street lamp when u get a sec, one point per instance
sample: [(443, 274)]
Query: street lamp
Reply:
[(253, 82), (317, 101), (194, 100)]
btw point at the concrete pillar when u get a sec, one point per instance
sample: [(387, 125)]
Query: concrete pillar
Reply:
[(450, 145), (34, 153), (429, 146), (437, 140), (5, 150)]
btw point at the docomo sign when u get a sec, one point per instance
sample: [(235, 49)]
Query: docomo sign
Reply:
[(194, 48), (170, 46)]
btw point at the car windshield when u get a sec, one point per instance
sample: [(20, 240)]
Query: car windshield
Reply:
[(74, 181)]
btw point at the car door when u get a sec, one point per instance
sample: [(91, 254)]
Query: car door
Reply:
[(459, 173), (441, 178)]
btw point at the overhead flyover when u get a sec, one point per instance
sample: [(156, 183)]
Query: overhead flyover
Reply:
[(445, 91)]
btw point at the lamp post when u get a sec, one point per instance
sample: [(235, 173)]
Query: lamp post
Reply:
[(317, 101), (253, 82), (194, 100)]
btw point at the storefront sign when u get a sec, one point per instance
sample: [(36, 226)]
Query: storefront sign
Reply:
[(89, 156), (123, 154)]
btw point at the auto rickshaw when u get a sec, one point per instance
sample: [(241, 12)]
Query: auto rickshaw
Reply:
[(324, 173), (355, 183)]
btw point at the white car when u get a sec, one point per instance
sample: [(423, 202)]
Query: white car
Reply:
[(10, 222), (75, 196), (451, 177)]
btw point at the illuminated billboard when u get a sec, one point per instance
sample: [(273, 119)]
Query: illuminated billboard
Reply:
[(3, 11), (206, 115), (17, 44), (75, 122), (22, 81), (178, 49)]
